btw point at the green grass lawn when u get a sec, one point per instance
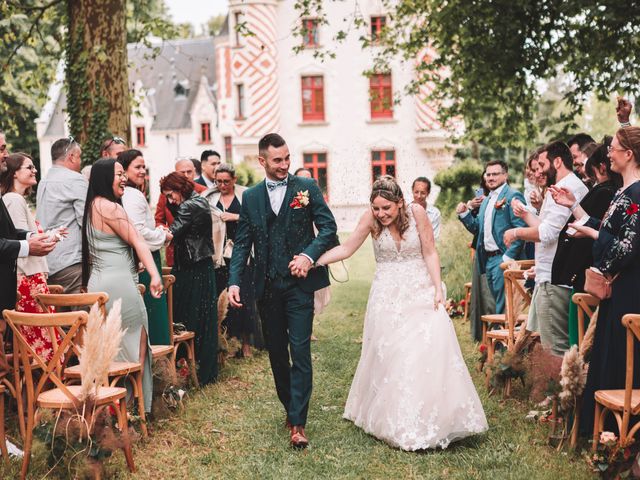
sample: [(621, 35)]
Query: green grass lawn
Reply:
[(235, 429)]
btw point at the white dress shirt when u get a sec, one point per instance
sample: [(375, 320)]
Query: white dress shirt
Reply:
[(209, 183), (137, 209), (276, 197), (490, 244), (553, 218)]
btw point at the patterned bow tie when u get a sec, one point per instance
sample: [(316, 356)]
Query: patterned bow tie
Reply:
[(271, 186)]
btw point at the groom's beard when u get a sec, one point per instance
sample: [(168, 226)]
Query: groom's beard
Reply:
[(551, 174)]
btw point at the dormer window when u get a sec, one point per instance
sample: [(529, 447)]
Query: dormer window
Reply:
[(181, 89)]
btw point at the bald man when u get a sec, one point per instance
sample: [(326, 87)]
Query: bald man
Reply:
[(163, 216)]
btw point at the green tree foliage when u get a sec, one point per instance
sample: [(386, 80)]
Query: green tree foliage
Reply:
[(486, 57), (457, 183), (32, 40), (215, 24), (29, 52)]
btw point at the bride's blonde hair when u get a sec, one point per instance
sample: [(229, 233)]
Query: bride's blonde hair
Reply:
[(387, 188)]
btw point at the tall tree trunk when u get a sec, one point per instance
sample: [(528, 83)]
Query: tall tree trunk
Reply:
[(96, 76)]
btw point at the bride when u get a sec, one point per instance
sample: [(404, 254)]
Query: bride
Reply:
[(411, 388)]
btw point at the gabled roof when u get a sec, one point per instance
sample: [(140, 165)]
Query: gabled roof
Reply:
[(172, 77), (170, 72)]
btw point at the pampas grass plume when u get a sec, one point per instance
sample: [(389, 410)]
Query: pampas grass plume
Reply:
[(101, 345), (572, 378)]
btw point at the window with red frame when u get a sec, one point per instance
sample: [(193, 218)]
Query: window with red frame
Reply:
[(228, 150), (312, 98), (310, 32), (377, 24), (205, 132), (141, 138), (316, 163), (380, 95), (383, 162)]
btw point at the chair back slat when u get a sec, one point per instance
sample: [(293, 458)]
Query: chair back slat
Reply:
[(168, 281), (78, 300), (632, 323), (587, 305), (517, 298), (68, 325)]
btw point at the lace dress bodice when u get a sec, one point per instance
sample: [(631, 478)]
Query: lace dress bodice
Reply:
[(386, 249)]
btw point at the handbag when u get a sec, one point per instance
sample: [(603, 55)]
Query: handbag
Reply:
[(597, 284)]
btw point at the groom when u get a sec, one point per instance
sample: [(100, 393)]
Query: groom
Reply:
[(277, 219)]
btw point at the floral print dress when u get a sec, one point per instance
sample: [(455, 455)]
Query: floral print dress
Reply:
[(615, 252)]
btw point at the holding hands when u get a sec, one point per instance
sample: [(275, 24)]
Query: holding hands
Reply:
[(300, 266), (41, 244)]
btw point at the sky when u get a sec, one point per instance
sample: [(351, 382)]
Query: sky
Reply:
[(196, 12)]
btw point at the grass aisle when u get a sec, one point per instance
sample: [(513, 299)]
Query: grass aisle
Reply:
[(235, 429)]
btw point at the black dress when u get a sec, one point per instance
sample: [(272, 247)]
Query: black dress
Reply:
[(240, 321), (616, 251)]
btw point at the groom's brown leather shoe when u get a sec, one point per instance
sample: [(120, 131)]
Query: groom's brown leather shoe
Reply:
[(298, 438)]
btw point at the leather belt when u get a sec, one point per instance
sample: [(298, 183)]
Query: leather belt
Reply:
[(492, 254)]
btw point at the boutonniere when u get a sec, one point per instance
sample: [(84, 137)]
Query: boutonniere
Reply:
[(301, 200), (500, 203), (633, 208)]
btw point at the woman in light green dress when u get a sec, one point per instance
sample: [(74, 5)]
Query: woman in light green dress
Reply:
[(111, 247)]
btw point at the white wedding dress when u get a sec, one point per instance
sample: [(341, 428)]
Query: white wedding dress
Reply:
[(412, 388)]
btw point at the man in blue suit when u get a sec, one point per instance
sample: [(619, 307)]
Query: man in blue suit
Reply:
[(494, 218)]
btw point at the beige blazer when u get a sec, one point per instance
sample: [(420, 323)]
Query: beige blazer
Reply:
[(23, 218), (218, 227)]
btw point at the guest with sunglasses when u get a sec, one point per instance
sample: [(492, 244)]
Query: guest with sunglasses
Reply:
[(60, 199), (112, 146), (225, 202)]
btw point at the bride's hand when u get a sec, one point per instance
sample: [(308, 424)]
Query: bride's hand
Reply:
[(438, 299)]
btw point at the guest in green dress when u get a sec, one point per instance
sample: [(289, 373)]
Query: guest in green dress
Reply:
[(194, 297), (111, 248), (139, 212)]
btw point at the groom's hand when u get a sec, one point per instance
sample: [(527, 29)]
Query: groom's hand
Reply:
[(234, 296), (300, 266)]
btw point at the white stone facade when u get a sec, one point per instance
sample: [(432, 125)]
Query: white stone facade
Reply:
[(264, 70)]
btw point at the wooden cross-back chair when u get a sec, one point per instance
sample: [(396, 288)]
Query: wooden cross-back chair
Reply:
[(500, 319), (587, 305), (118, 371), (622, 403), (49, 391), (185, 338), (161, 351), (517, 298)]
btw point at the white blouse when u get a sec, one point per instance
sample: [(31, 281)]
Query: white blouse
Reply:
[(139, 212), (22, 218)]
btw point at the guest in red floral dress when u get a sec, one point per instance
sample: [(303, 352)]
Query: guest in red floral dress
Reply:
[(16, 183)]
